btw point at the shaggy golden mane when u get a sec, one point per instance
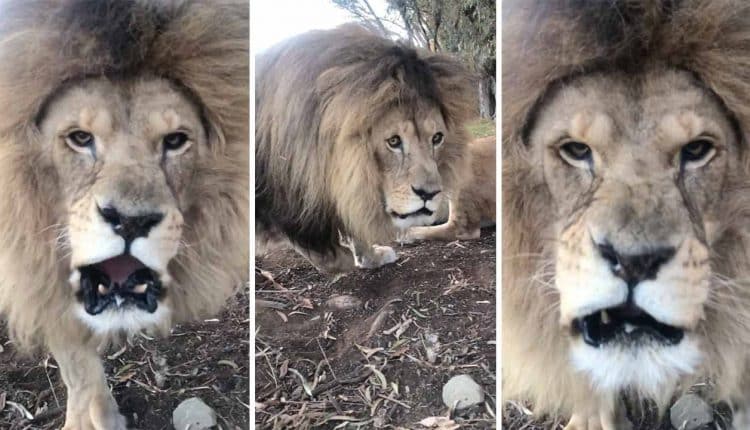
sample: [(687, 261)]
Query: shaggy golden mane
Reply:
[(317, 97), (202, 47), (546, 43)]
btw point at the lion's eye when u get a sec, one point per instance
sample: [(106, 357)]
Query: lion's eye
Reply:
[(80, 139), (394, 142), (697, 153), (575, 152), (437, 138), (174, 141)]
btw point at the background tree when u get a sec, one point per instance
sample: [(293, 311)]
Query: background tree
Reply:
[(462, 27)]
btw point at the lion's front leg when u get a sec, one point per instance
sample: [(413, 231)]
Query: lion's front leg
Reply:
[(606, 416), (741, 414), (337, 262), (448, 232), (90, 405)]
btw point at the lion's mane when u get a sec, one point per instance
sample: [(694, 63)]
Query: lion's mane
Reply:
[(317, 96), (202, 46), (547, 42)]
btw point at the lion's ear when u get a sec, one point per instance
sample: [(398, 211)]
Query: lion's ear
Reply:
[(458, 89)]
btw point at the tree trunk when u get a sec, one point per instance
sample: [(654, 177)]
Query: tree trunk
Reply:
[(487, 97)]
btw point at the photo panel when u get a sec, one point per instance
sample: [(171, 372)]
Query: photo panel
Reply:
[(624, 199), (124, 214), (375, 250)]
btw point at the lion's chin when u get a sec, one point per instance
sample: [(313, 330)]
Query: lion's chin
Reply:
[(625, 347), (129, 320), (648, 366)]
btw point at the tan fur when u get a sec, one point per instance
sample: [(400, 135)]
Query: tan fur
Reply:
[(470, 206), (551, 49), (327, 101), (100, 58)]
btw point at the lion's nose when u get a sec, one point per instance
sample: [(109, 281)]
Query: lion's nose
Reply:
[(130, 227), (424, 194), (634, 269)]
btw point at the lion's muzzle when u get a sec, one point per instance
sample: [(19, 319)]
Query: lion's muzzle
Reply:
[(120, 258), (122, 281), (628, 322)]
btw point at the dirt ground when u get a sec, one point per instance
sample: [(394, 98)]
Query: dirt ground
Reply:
[(149, 377), (519, 416), (374, 348)]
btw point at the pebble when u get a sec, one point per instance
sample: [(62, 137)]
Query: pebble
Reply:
[(462, 389), (690, 412), (193, 414)]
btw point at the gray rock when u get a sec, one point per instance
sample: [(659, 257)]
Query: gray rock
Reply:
[(690, 412), (193, 414), (462, 389)]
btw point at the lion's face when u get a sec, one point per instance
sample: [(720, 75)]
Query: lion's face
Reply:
[(124, 152), (635, 165), (408, 146)]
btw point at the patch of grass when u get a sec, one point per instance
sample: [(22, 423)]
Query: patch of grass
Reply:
[(482, 127)]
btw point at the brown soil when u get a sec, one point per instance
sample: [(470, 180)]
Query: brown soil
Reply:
[(149, 378), (643, 416), (374, 348)]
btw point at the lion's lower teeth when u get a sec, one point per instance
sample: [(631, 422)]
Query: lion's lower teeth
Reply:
[(140, 288), (605, 317), (103, 290), (629, 328)]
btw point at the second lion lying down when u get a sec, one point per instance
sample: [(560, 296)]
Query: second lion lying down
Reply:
[(470, 206)]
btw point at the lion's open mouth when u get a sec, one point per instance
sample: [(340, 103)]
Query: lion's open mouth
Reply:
[(421, 211), (624, 323), (120, 282)]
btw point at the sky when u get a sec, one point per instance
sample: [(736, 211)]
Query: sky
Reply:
[(276, 20)]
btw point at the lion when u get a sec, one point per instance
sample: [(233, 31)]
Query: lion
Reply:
[(124, 162), (357, 138), (625, 205), (471, 207)]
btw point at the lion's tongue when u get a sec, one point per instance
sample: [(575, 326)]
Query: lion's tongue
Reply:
[(118, 269)]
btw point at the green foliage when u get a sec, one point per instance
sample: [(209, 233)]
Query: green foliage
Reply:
[(481, 128), (462, 27)]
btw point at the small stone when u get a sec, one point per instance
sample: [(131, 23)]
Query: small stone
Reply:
[(462, 389), (690, 412), (193, 414)]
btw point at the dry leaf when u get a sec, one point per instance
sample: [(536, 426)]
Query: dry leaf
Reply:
[(229, 363), (439, 423), (20, 408), (283, 368)]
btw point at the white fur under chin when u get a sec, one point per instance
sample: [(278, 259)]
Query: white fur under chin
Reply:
[(117, 320), (650, 370)]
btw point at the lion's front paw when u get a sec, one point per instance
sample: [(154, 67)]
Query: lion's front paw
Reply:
[(603, 421), (741, 418), (376, 257), (98, 414)]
